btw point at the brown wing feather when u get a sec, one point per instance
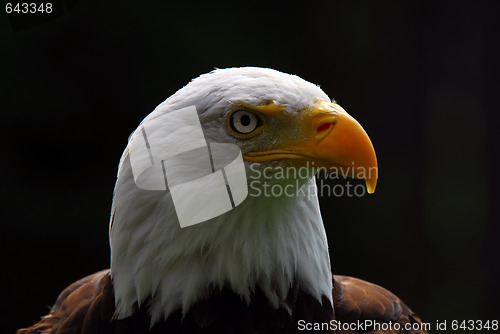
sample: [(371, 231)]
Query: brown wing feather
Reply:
[(89, 297), (357, 300)]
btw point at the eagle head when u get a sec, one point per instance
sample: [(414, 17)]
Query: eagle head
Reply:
[(280, 123)]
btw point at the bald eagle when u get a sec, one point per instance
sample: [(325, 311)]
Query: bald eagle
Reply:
[(261, 267)]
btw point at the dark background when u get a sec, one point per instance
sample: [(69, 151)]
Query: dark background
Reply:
[(421, 77)]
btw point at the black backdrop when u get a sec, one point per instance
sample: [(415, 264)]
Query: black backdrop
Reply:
[(420, 76)]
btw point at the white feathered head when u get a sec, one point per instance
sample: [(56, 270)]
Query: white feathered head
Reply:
[(279, 122)]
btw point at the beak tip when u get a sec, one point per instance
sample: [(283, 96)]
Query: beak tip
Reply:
[(371, 184)]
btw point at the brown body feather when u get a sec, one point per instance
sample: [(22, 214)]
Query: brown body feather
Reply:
[(356, 301), (87, 307)]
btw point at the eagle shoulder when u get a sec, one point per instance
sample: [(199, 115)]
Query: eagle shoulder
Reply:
[(87, 307), (357, 301), (88, 298)]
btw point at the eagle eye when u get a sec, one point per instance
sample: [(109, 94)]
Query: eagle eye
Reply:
[(244, 122)]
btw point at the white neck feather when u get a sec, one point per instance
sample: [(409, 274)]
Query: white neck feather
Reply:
[(265, 242)]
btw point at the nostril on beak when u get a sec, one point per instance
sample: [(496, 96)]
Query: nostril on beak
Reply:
[(325, 127)]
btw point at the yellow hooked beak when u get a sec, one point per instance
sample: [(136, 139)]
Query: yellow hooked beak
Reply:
[(337, 143)]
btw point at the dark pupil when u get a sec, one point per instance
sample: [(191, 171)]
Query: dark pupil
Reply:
[(245, 120)]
